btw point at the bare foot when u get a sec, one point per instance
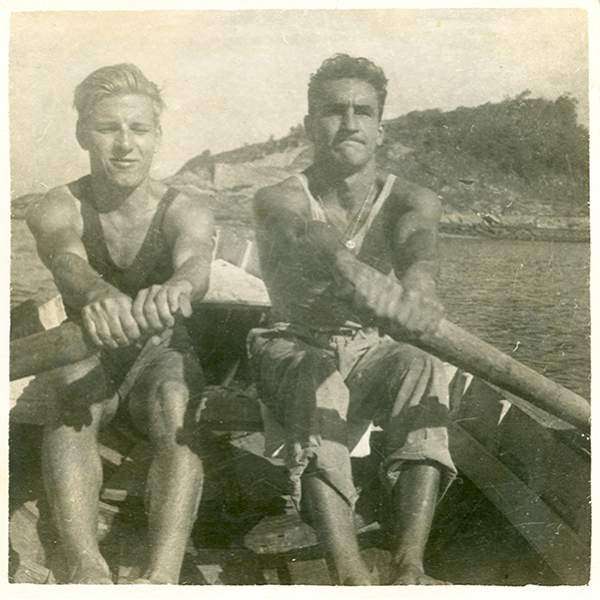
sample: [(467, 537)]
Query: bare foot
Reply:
[(414, 575), (353, 580), (148, 581), (95, 575)]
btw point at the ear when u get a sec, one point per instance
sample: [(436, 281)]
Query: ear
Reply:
[(81, 135), (308, 127), (380, 134), (157, 139)]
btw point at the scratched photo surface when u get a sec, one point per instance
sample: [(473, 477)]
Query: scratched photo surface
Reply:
[(487, 114)]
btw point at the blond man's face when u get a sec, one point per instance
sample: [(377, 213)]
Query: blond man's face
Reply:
[(121, 135)]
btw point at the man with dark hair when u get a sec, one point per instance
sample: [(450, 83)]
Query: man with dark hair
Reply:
[(129, 256), (349, 258)]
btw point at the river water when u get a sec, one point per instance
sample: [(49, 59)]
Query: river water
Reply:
[(529, 299)]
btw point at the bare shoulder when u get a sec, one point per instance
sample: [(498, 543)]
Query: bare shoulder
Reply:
[(57, 209), (188, 213), (285, 196), (412, 197)]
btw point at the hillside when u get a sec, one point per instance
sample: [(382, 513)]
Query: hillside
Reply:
[(517, 168)]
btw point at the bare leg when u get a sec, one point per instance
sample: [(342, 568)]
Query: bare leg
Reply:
[(174, 484), (413, 505), (72, 473), (334, 522)]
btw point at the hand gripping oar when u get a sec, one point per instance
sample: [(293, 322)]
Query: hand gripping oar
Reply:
[(455, 345)]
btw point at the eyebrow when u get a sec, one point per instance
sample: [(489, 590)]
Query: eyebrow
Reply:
[(111, 121), (343, 105)]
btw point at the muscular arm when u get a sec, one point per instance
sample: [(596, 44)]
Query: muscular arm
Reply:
[(415, 252), (284, 228), (410, 309), (405, 310), (189, 228), (56, 225)]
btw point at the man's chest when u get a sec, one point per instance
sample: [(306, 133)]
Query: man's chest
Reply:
[(124, 236)]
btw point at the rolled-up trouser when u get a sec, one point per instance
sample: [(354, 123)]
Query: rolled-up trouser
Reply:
[(325, 391)]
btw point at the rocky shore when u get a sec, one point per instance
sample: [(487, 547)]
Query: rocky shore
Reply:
[(233, 207)]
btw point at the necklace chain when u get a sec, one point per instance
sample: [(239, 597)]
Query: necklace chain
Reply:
[(354, 224)]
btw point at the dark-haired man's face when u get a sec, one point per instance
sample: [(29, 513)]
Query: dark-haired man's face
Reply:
[(344, 124)]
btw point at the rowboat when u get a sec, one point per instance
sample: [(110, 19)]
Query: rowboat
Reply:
[(518, 513)]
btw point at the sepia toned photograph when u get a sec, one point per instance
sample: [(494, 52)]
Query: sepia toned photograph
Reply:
[(299, 297)]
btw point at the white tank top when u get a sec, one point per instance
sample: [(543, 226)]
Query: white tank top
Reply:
[(309, 302), (317, 211)]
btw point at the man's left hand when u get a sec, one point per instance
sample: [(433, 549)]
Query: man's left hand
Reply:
[(154, 308), (401, 311), (415, 311)]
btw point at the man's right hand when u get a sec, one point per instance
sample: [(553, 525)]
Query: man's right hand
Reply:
[(108, 320), (402, 313)]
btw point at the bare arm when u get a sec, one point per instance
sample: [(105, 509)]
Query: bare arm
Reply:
[(406, 307), (405, 310), (415, 242), (56, 225), (189, 228), (190, 225), (283, 230)]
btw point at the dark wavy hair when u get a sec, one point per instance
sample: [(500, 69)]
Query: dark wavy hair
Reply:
[(115, 80), (342, 66)]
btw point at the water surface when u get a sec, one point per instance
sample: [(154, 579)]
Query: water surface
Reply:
[(529, 299)]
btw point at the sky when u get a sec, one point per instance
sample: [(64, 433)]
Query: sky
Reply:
[(238, 77)]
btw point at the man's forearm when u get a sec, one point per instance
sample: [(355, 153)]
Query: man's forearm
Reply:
[(401, 311), (420, 277), (75, 279), (195, 271)]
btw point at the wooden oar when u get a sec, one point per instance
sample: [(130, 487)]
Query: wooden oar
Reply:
[(457, 346), (67, 343), (50, 349)]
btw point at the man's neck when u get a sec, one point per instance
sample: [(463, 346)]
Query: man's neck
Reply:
[(108, 197), (349, 190)]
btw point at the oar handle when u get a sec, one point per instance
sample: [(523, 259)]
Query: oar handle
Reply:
[(50, 349)]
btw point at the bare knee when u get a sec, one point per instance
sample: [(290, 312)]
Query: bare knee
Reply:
[(169, 410)]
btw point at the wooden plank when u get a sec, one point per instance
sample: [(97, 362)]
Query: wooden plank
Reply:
[(562, 549), (129, 481), (309, 572), (289, 534), (557, 472), (280, 533)]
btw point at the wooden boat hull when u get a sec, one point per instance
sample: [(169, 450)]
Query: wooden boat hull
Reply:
[(522, 469)]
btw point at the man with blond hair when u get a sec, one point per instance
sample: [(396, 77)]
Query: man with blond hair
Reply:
[(129, 256)]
